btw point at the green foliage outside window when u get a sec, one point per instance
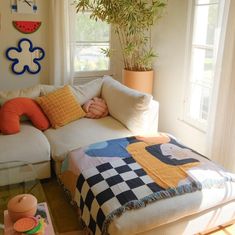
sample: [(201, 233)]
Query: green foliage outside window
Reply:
[(132, 21)]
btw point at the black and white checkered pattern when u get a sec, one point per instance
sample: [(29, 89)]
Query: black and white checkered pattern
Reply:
[(109, 186)]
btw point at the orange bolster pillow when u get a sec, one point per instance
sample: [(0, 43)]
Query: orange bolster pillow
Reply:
[(12, 110), (95, 108)]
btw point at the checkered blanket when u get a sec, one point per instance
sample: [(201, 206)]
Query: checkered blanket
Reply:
[(129, 173)]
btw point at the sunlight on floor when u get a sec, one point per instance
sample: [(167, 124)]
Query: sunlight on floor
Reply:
[(222, 230), (230, 230)]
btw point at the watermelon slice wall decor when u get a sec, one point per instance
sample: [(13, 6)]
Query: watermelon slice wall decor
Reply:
[(27, 27)]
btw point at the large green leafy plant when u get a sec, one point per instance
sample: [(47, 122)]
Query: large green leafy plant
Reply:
[(132, 21)]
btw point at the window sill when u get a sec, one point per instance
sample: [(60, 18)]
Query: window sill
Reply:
[(91, 74), (201, 128)]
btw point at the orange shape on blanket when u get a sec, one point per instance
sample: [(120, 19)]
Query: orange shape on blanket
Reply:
[(165, 175), (160, 138), (12, 110)]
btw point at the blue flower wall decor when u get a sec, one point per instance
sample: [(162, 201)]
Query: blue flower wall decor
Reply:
[(25, 57)]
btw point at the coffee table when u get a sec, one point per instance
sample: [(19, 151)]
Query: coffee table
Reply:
[(17, 177), (42, 211)]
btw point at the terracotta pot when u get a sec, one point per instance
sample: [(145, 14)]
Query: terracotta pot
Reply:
[(22, 205), (139, 80)]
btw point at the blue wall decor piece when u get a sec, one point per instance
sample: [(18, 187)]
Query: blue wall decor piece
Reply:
[(25, 57)]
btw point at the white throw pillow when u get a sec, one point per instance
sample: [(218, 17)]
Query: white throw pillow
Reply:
[(46, 89), (82, 92), (88, 90), (126, 105), (30, 92)]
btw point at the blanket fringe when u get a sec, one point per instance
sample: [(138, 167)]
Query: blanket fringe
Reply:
[(168, 193), (85, 228)]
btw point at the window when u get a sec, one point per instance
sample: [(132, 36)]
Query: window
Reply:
[(88, 38), (206, 23)]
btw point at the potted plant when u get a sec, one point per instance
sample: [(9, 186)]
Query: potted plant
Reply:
[(132, 21)]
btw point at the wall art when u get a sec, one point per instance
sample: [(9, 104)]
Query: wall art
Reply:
[(24, 6), (26, 27), (25, 57)]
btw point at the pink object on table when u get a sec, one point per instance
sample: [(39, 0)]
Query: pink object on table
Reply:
[(25, 224), (8, 224), (22, 205)]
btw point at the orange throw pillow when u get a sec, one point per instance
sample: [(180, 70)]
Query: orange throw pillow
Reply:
[(61, 107), (12, 110)]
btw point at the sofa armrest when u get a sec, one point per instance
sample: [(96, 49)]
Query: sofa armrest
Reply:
[(135, 110), (151, 118)]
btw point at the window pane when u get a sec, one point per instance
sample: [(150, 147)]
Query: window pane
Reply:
[(202, 70), (199, 102), (205, 24), (88, 57), (89, 30), (198, 2)]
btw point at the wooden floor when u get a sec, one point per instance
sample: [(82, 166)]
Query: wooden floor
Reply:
[(73, 233)]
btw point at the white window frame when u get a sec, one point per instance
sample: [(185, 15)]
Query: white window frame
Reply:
[(201, 126), (85, 75)]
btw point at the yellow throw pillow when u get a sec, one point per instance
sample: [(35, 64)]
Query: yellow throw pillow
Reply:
[(61, 107)]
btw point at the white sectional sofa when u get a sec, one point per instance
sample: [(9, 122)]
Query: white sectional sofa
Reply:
[(131, 113)]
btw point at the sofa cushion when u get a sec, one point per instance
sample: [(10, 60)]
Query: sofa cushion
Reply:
[(28, 145), (83, 132), (88, 90), (82, 92), (61, 107), (126, 105), (45, 89), (31, 92), (12, 110)]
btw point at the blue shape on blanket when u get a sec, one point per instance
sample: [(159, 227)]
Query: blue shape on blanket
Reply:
[(110, 148), (65, 165), (99, 145)]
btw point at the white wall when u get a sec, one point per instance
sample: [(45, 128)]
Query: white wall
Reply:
[(116, 59), (9, 37), (169, 40)]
